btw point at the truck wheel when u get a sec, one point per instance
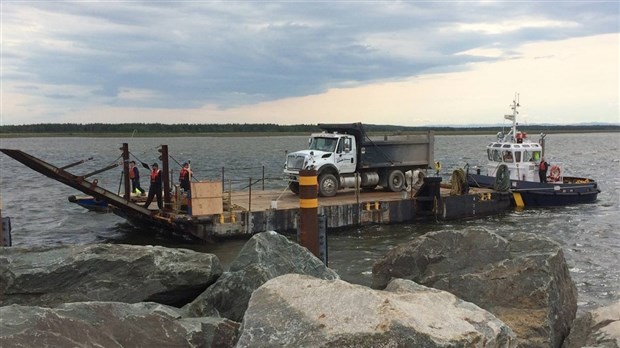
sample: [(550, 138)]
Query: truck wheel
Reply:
[(328, 185), (396, 181), (294, 187)]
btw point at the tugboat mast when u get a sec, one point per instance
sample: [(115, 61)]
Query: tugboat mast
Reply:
[(513, 117)]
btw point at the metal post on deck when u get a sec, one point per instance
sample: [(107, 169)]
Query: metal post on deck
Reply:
[(230, 205), (222, 178), (308, 208), (249, 222), (250, 195), (125, 149), (1, 227), (165, 175), (357, 198), (5, 230), (323, 238)]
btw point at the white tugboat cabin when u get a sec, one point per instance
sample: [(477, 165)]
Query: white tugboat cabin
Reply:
[(513, 163), (518, 153)]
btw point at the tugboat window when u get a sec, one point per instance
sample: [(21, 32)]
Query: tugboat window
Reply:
[(508, 156), (517, 156), (497, 156)]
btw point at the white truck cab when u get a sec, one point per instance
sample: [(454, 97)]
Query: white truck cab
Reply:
[(333, 150)]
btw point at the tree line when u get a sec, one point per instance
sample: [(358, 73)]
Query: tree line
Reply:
[(159, 128)]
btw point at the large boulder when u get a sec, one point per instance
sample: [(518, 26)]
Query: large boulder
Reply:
[(596, 328), (111, 324), (523, 279), (48, 276), (302, 311), (265, 256)]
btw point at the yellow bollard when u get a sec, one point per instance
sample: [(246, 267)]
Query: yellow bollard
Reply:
[(308, 211), (518, 199)]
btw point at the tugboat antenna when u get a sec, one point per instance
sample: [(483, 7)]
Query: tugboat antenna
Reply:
[(517, 97)]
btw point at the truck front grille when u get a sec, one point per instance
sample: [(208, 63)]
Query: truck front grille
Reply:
[(295, 162)]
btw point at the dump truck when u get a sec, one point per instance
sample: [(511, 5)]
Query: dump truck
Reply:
[(344, 156)]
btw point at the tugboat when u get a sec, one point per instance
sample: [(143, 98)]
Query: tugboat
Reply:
[(514, 164)]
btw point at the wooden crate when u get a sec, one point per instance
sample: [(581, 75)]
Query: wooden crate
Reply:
[(207, 198)]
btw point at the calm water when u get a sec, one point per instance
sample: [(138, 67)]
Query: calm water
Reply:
[(42, 215)]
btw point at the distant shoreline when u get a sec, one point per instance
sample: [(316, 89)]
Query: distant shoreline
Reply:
[(272, 134), (151, 130)]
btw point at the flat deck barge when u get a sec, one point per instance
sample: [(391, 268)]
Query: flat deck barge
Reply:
[(213, 214), (246, 215)]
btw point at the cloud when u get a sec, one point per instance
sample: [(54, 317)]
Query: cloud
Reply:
[(229, 60)]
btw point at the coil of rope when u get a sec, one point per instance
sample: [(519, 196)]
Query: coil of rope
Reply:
[(502, 179), (458, 182)]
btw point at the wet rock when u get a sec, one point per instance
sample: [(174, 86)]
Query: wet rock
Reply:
[(111, 324), (265, 256), (597, 328), (302, 311), (522, 279), (48, 276)]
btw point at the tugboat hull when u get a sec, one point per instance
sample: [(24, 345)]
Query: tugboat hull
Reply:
[(570, 191)]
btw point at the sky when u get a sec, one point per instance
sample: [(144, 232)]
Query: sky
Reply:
[(409, 63)]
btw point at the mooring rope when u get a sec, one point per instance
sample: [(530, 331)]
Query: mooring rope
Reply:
[(145, 165), (458, 182)]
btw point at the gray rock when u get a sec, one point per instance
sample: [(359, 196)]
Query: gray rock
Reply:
[(111, 324), (48, 276), (597, 328), (302, 311), (523, 279), (265, 256)]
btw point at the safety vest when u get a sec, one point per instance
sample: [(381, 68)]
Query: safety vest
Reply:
[(183, 174), (154, 175), (542, 166)]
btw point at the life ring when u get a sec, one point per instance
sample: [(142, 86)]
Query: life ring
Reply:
[(555, 173)]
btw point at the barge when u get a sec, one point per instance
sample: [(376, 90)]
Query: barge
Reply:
[(211, 214)]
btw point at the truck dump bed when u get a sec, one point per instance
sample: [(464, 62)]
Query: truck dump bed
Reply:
[(414, 150), (398, 151)]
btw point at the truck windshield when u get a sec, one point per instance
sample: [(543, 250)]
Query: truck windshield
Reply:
[(323, 144)]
